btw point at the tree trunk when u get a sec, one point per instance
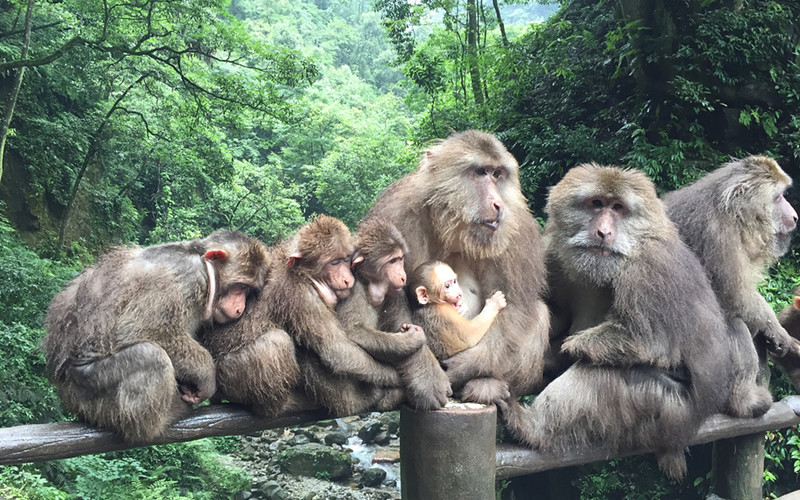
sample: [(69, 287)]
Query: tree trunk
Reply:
[(94, 140), (12, 98), (500, 23), (472, 52)]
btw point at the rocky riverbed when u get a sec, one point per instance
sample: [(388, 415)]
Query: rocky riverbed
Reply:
[(352, 458)]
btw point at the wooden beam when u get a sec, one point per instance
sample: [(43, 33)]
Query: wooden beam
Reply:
[(514, 460), (40, 442)]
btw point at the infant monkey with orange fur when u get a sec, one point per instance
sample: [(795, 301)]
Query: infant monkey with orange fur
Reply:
[(440, 308)]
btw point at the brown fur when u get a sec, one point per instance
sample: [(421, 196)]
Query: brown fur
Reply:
[(425, 383), (644, 328), (255, 361), (734, 236), (336, 372), (120, 337), (438, 208), (789, 318), (447, 331)]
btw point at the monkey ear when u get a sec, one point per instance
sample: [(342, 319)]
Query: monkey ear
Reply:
[(796, 303), (213, 255), (294, 259), (422, 295), (358, 259)]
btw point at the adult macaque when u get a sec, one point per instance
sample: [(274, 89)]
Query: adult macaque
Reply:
[(310, 275), (256, 362), (121, 337), (440, 308), (643, 325), (379, 292), (463, 205), (737, 222), (789, 318)]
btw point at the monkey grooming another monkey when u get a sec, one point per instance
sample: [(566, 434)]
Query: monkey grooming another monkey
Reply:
[(379, 292), (463, 205), (440, 309), (121, 337), (643, 326), (309, 276), (738, 223)]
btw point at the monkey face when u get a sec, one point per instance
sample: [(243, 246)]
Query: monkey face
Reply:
[(393, 272), (230, 305), (784, 221), (449, 289), (338, 277)]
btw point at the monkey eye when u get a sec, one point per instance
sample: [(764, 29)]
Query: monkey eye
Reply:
[(498, 173), (480, 171), (335, 262), (596, 203), (618, 207)]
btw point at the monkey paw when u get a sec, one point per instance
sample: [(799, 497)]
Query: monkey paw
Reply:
[(779, 343), (485, 391)]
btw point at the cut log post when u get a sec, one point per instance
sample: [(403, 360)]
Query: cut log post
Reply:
[(448, 453), (737, 468)]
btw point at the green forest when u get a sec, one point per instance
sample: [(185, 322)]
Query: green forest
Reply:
[(158, 120)]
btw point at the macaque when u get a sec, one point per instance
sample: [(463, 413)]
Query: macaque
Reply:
[(638, 318), (121, 342), (463, 205), (738, 223), (440, 310), (310, 275), (789, 318), (379, 295)]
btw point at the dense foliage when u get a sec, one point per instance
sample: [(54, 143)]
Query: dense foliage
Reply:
[(156, 120)]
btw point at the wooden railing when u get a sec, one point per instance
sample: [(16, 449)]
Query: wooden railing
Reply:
[(449, 453)]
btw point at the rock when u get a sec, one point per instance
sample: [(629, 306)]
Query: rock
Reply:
[(316, 460), (336, 437), (373, 477), (369, 430), (382, 438), (386, 457), (243, 495), (271, 490), (390, 421)]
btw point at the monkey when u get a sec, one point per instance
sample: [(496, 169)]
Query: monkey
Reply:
[(463, 205), (310, 274), (789, 318), (256, 362), (642, 325), (379, 291), (440, 307), (737, 222), (121, 342)]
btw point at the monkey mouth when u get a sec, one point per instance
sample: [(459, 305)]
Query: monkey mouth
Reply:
[(492, 224), (342, 293), (600, 250)]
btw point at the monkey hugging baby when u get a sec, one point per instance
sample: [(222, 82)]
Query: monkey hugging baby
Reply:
[(633, 317)]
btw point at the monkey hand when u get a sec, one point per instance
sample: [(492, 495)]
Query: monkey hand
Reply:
[(413, 335), (778, 341), (427, 386), (497, 301), (196, 383)]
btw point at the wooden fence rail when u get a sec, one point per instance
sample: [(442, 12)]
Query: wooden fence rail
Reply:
[(424, 439)]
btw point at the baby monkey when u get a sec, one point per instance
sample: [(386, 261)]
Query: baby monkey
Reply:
[(440, 308)]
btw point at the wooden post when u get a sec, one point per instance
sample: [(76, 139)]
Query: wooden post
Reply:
[(737, 465), (448, 453)]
